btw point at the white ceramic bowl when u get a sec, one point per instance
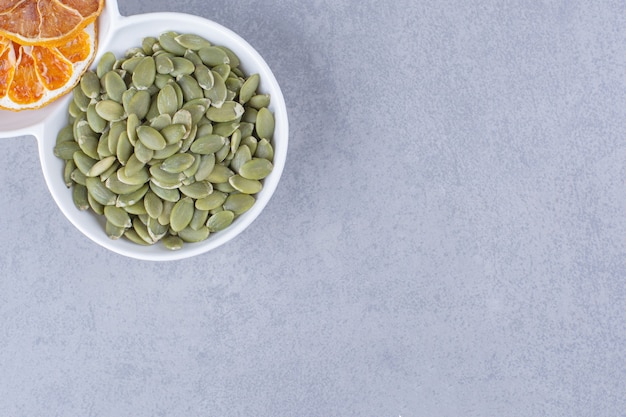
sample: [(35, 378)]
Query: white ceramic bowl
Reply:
[(116, 34)]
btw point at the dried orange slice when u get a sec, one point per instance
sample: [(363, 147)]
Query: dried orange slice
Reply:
[(46, 22), (34, 75)]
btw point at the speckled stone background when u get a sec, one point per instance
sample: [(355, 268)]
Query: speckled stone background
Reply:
[(448, 238)]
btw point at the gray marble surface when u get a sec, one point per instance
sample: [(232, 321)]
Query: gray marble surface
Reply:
[(448, 237)]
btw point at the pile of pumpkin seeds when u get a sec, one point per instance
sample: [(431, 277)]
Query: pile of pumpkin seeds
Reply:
[(169, 143)]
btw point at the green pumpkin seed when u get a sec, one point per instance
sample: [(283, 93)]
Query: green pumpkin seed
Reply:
[(239, 203), (103, 145), (139, 177), (114, 184), (221, 155), (249, 87), (95, 206), (212, 201), (101, 166), (153, 204), (125, 200), (134, 51), (220, 221), (100, 192), (205, 167), (142, 231), (204, 76), (80, 99), (133, 165), (190, 171), (65, 150), (169, 179), (153, 111), (83, 162), (208, 144), (114, 86), (183, 117), (182, 213), (105, 64), (132, 123), (249, 115), (126, 96), (147, 44), (89, 145), (168, 42), (65, 135), (151, 138), (256, 169), (193, 42), (164, 218), (124, 148), (234, 84), (178, 163), (193, 57), (167, 102), (230, 95), (197, 190), (74, 111), (223, 70), (242, 156), (144, 73), (139, 104), (212, 56), (78, 177), (264, 123), (235, 141), (173, 242), (131, 63), (251, 142), (199, 219), (205, 129), (228, 112), (164, 64), (259, 101), (247, 129), (225, 129), (81, 128), (161, 121), (245, 185), (264, 150), (112, 231), (189, 86), (79, 196), (67, 172), (117, 216), (193, 236), (161, 80), (90, 84), (232, 57), (202, 102), (197, 112), (132, 235), (168, 151), (96, 122), (136, 208), (220, 174), (111, 171), (181, 66), (217, 93), (156, 230), (142, 153)]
